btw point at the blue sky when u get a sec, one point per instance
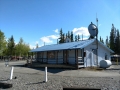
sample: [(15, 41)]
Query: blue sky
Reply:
[(39, 21)]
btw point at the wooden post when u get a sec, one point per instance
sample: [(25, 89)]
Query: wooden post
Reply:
[(66, 57), (63, 56), (77, 57), (57, 57), (42, 56), (47, 56)]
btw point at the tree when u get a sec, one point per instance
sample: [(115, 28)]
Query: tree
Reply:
[(22, 49), (78, 37), (66, 35), (37, 45), (20, 44), (2, 43), (26, 49), (112, 38), (71, 36), (107, 42), (100, 39), (11, 46), (61, 36), (117, 42)]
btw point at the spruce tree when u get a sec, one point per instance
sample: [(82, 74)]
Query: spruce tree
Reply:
[(116, 45), (112, 38), (72, 37), (66, 36), (69, 36), (37, 45), (78, 37), (107, 42), (100, 39), (61, 36)]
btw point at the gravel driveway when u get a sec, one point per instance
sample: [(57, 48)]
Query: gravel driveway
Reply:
[(32, 78)]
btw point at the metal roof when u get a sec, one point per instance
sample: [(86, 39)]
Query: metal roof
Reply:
[(65, 46)]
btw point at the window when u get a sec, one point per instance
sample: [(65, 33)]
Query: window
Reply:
[(51, 54)]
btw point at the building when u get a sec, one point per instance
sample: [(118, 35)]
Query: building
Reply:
[(80, 53)]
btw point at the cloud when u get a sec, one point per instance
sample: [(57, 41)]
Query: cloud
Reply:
[(53, 36), (32, 46), (46, 40), (56, 31), (49, 39), (80, 31), (36, 42)]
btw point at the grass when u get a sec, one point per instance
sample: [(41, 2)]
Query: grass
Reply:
[(94, 68)]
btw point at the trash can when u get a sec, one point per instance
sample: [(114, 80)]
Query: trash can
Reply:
[(6, 63)]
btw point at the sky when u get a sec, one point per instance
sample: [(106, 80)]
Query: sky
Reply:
[(39, 21)]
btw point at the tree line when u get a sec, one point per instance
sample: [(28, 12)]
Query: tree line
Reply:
[(63, 36), (112, 41), (9, 48)]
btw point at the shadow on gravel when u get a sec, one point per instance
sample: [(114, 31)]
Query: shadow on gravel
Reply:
[(51, 70), (5, 85), (113, 69), (35, 83), (18, 65), (78, 88)]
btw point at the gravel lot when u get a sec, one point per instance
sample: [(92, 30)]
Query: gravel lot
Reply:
[(33, 79)]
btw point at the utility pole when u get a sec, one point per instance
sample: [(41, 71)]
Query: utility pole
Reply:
[(97, 41), (0, 47)]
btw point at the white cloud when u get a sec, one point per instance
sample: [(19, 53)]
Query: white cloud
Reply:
[(53, 36), (32, 47), (46, 40), (56, 31), (80, 31), (49, 39), (36, 42), (41, 45), (85, 38)]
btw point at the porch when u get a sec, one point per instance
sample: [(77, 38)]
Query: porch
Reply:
[(61, 66), (60, 58)]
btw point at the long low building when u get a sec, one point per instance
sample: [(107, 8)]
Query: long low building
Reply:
[(81, 53)]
